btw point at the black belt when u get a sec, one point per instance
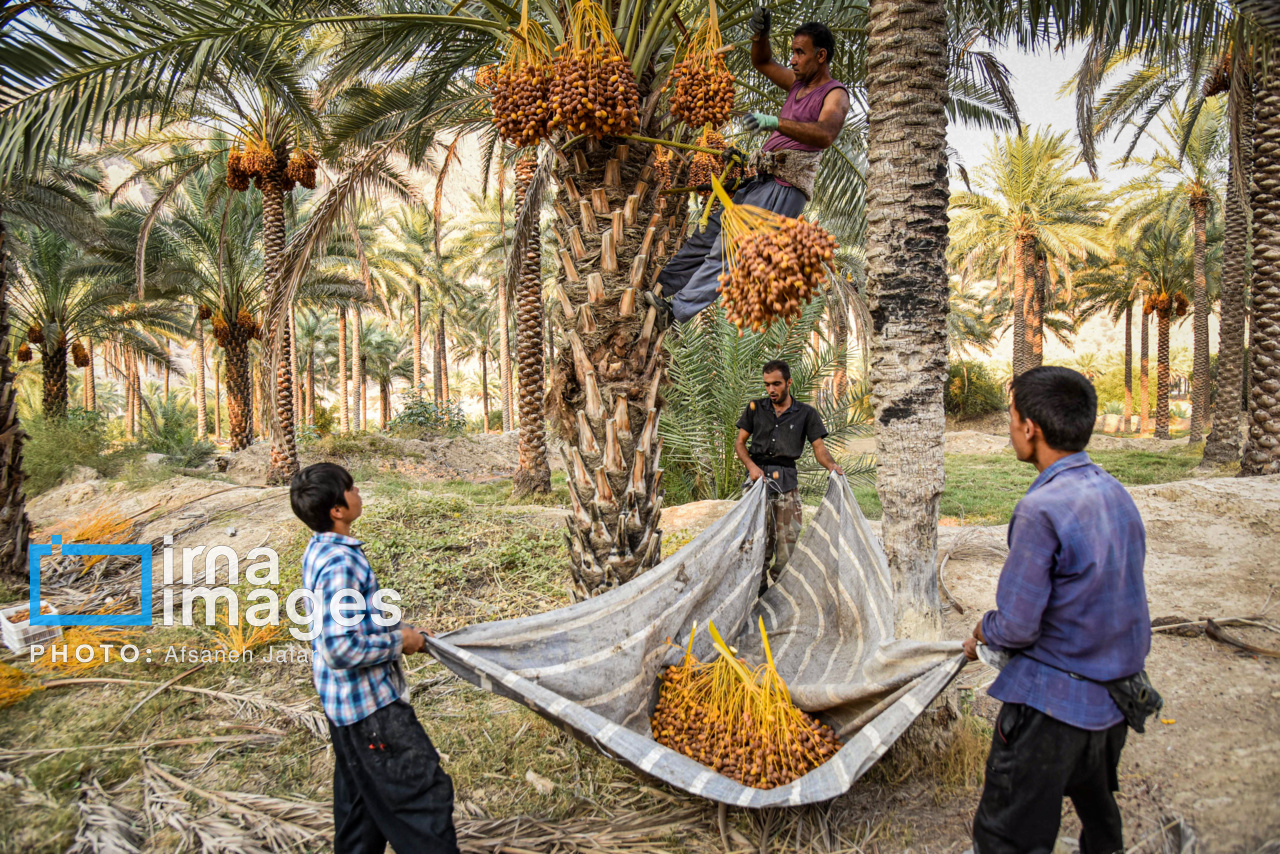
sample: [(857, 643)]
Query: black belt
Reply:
[(778, 462)]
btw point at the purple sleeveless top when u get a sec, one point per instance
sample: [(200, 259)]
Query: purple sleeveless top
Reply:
[(801, 109)]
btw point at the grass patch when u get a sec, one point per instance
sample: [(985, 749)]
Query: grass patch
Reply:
[(983, 489)]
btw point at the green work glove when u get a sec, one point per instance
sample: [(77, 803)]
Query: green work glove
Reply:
[(761, 122)]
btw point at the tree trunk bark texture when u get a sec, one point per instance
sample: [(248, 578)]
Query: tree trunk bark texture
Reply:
[(14, 535), (53, 369), (311, 386), (344, 411), (442, 357), (357, 371), (1039, 299), (1224, 442), (1128, 366), (417, 336), (1262, 447), (284, 448), (1024, 278), (604, 383), (239, 388), (90, 382), (1144, 386), (534, 475), (1162, 374), (1199, 323), (484, 386), (217, 402), (504, 357), (202, 406), (907, 195)]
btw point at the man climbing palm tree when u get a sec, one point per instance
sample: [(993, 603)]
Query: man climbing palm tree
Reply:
[(786, 165)]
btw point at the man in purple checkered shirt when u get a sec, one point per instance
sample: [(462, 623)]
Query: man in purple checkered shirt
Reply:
[(1071, 607), (388, 785)]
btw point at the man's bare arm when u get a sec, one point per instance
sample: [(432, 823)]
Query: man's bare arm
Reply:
[(823, 132), (823, 456), (740, 448), (762, 59)]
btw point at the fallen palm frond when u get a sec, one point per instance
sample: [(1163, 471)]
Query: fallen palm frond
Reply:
[(15, 685), (8, 756), (279, 823), (101, 526), (969, 545), (1215, 632), (105, 826), (243, 704)]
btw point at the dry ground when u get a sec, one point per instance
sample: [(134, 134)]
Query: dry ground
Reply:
[(1213, 552)]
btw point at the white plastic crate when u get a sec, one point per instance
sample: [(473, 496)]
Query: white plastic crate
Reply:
[(20, 635)]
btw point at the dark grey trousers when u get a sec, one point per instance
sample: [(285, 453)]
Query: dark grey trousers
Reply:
[(692, 276)]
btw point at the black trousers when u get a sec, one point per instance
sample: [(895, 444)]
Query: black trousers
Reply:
[(1034, 761), (388, 786)]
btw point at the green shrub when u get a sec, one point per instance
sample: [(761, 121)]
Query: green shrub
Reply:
[(972, 391), (421, 416), (55, 447), (495, 419), (326, 420), (172, 432)]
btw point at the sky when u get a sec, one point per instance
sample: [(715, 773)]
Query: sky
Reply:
[(1037, 78)]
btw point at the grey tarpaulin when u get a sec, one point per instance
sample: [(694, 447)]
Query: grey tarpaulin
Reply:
[(593, 667)]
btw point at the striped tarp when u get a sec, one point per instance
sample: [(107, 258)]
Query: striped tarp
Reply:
[(593, 667)]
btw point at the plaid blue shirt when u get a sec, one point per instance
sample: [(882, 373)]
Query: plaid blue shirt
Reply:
[(1071, 598), (356, 669)]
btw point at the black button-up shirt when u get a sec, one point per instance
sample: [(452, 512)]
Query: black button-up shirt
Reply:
[(777, 441)]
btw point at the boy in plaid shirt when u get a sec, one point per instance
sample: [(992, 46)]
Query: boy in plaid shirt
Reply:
[(388, 785)]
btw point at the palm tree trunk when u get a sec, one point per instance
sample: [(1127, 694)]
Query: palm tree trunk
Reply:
[(907, 193), (840, 332), (504, 356), (533, 476), (417, 336), (1262, 448), (128, 396), (484, 386), (603, 387), (1144, 387), (239, 388), (384, 404), (442, 355), (1223, 445), (357, 372), (284, 447), (1024, 277), (1162, 374), (1128, 367), (90, 381), (53, 368), (344, 412), (1040, 299), (167, 371), (1199, 324), (13, 515), (364, 400), (217, 401), (295, 371), (311, 386), (202, 407)]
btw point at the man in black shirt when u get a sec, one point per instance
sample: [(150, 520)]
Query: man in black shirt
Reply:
[(777, 427)]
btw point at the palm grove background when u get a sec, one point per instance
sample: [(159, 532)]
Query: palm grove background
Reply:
[(396, 267)]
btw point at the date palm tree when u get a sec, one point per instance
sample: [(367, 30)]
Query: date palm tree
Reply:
[(59, 301), (1029, 214), (1197, 174)]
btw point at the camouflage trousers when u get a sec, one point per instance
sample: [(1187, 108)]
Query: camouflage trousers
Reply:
[(782, 530)]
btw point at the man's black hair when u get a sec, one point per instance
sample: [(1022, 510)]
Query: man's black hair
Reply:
[(1061, 401), (316, 490), (777, 366), (821, 36)]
